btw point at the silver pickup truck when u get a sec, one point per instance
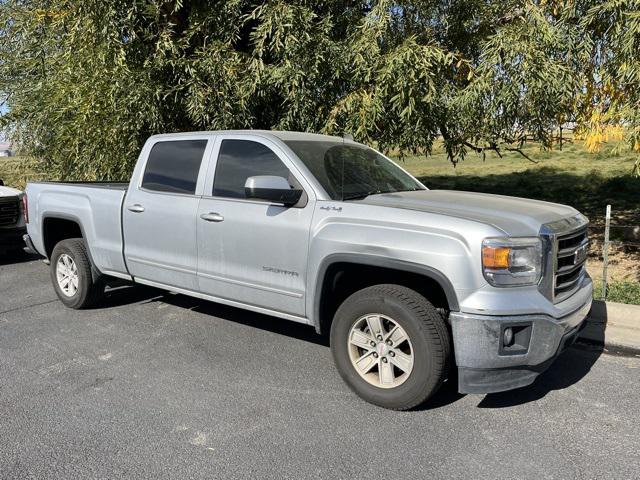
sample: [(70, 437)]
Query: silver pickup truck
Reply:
[(328, 232)]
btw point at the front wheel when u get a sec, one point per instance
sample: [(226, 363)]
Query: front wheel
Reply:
[(72, 275), (391, 346)]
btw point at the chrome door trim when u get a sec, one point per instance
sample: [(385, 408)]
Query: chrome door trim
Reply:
[(288, 293), (161, 265), (224, 301)]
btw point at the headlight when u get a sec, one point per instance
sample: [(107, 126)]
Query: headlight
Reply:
[(508, 262)]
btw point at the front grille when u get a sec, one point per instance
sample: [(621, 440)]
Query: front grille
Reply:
[(571, 258), (9, 211)]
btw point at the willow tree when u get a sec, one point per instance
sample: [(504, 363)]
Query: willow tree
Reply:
[(609, 105), (86, 82)]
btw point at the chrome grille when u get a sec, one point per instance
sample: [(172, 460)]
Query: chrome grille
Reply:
[(570, 265), (564, 244), (9, 211)]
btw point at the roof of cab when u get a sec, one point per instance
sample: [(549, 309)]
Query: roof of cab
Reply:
[(282, 135)]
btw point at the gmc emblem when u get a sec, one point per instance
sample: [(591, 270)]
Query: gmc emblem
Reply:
[(580, 255)]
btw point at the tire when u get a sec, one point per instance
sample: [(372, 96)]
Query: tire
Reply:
[(90, 287), (427, 343)]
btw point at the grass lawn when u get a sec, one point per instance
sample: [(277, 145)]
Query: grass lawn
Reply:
[(571, 176)]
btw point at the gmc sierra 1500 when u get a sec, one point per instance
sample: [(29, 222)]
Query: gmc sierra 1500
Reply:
[(328, 232)]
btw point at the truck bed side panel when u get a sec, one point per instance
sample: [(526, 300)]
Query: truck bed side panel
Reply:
[(96, 209)]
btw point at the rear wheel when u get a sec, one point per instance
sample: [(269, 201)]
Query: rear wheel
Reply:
[(391, 346), (71, 273)]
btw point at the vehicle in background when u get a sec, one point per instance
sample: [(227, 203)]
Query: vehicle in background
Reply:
[(325, 231), (12, 224)]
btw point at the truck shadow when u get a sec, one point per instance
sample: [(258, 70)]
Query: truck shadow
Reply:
[(299, 331), (447, 395), (122, 293), (568, 369), (15, 257)]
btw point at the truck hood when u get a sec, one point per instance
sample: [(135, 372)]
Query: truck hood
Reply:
[(514, 216), (9, 192)]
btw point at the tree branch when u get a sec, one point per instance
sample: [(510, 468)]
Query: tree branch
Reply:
[(493, 147), (517, 150), (517, 14), (6, 99)]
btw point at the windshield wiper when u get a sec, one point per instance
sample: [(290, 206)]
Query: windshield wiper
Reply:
[(361, 195)]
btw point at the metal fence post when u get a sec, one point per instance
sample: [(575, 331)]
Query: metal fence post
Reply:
[(605, 253)]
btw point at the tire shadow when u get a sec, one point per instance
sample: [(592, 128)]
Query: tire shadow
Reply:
[(447, 394)]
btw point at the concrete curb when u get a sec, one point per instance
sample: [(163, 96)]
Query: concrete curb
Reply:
[(616, 326)]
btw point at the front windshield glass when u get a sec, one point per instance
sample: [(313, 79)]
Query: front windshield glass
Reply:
[(349, 171)]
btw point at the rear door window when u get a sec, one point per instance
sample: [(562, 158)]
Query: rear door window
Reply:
[(173, 166)]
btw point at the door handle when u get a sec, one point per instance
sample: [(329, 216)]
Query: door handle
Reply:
[(136, 208), (212, 217)]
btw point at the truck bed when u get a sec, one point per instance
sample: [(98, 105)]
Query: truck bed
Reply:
[(96, 207)]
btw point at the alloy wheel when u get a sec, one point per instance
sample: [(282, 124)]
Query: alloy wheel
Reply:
[(380, 350), (67, 275)]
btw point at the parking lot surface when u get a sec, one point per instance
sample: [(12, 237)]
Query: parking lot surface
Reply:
[(156, 385)]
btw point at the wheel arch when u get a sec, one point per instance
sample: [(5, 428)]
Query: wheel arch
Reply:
[(57, 227), (430, 282)]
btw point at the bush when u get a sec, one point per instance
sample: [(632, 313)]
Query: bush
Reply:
[(17, 171), (620, 292)]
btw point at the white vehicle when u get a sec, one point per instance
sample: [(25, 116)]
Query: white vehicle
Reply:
[(12, 225)]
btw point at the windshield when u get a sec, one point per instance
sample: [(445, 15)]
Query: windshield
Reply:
[(349, 171)]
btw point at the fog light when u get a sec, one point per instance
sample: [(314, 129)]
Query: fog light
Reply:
[(514, 338), (508, 337)]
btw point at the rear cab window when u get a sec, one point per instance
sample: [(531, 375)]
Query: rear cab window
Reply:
[(173, 166)]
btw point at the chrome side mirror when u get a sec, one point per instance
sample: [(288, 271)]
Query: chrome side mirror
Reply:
[(271, 188)]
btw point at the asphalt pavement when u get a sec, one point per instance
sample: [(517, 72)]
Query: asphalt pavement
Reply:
[(156, 385)]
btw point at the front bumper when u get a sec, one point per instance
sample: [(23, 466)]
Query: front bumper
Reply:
[(486, 365)]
